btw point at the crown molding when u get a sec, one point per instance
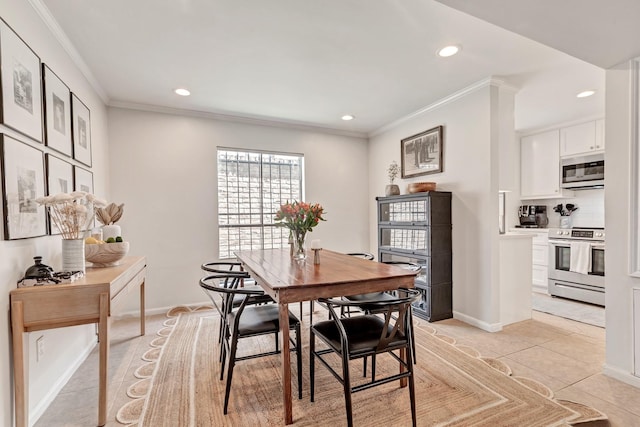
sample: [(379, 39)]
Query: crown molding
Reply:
[(251, 120), (489, 81), (61, 37)]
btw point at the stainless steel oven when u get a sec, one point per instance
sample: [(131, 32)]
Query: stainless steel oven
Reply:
[(584, 282)]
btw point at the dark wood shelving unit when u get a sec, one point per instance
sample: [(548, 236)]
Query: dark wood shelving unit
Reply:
[(417, 228)]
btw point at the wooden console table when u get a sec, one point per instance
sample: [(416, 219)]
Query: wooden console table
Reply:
[(88, 300)]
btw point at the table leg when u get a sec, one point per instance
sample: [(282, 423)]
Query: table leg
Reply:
[(403, 356), (286, 364), (20, 386), (103, 333), (142, 312)]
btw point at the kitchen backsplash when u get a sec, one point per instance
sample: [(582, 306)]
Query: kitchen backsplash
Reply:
[(590, 211)]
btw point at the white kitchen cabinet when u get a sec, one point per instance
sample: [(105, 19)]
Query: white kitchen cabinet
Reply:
[(585, 138), (539, 257), (600, 135), (540, 166), (540, 262)]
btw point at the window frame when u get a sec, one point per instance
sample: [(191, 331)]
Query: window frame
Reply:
[(261, 225)]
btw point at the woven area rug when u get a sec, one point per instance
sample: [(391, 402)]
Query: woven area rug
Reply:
[(455, 386)]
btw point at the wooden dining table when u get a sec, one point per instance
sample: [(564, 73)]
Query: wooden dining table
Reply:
[(288, 281)]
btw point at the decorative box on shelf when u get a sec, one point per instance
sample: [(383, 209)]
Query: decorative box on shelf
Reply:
[(417, 228)]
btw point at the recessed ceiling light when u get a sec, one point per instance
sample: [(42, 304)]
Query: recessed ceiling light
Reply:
[(449, 50), (182, 92), (585, 93), (348, 117)]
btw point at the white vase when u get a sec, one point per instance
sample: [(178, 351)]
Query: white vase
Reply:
[(111, 231), (565, 222), (73, 255)]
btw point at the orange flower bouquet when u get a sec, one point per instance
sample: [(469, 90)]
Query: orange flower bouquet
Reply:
[(299, 218)]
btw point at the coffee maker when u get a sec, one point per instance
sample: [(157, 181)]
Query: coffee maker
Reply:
[(533, 216)]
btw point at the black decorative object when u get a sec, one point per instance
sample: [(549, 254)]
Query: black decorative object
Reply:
[(38, 271)]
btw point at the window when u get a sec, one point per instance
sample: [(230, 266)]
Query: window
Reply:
[(251, 188)]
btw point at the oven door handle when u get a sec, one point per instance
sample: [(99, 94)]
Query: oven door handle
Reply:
[(567, 243)]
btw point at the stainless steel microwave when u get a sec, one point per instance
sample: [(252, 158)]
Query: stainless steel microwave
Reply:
[(584, 172)]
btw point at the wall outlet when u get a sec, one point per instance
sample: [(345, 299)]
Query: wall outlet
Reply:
[(40, 348)]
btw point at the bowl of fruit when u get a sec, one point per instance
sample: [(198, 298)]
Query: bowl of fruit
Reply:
[(105, 253)]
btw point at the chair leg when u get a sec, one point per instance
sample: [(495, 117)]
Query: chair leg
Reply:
[(232, 363), (412, 392), (413, 340), (299, 359), (364, 367), (223, 358), (312, 370), (310, 312), (347, 389), (373, 367), (300, 310)]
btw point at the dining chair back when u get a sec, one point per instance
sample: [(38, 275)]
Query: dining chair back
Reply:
[(368, 335), (364, 255), (246, 320)]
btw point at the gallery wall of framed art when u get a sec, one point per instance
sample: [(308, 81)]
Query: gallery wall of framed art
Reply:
[(46, 147)]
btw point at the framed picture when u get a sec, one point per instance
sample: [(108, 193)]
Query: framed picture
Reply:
[(21, 107), (57, 112), (421, 154), (22, 184), (81, 131), (83, 181), (59, 180)]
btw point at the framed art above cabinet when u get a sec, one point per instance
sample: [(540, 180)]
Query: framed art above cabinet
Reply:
[(81, 131), (57, 112), (20, 75)]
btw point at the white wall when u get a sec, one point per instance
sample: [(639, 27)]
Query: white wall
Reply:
[(619, 285), (163, 168), (63, 347), (471, 174)]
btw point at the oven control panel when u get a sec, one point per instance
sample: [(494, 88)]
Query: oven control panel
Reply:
[(576, 233)]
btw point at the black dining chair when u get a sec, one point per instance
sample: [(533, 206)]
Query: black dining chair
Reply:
[(367, 335), (232, 276), (364, 255), (379, 296), (246, 321)]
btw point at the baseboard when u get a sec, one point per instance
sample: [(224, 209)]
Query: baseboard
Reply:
[(154, 311), (44, 403), (489, 327), (620, 375)]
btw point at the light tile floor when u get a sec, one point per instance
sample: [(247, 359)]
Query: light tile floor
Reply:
[(564, 354)]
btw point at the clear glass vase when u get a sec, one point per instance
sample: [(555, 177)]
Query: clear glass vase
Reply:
[(298, 239), (565, 222)]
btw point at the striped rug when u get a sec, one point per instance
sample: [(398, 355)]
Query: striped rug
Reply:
[(455, 386)]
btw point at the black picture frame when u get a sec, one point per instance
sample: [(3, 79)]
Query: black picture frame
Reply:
[(21, 82), (421, 154), (57, 112), (81, 122), (59, 180), (83, 181), (22, 183)]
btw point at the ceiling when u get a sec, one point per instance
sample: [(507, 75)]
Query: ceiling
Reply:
[(304, 62)]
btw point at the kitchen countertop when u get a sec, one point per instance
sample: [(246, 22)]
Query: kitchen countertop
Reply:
[(516, 235), (528, 230)]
